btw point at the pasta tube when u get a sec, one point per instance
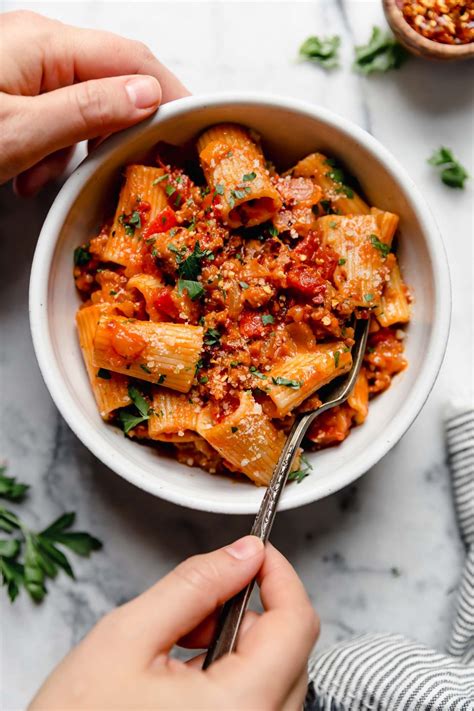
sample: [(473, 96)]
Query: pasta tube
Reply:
[(162, 353), (110, 389), (234, 168)]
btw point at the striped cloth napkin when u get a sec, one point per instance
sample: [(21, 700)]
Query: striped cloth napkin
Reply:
[(384, 672)]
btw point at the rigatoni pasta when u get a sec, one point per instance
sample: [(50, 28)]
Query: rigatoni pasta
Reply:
[(215, 310)]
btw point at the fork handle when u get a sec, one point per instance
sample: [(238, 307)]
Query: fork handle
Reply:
[(233, 610)]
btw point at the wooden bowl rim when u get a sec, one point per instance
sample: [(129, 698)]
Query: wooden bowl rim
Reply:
[(397, 22)]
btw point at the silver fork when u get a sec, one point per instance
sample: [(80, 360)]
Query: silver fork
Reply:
[(336, 393)]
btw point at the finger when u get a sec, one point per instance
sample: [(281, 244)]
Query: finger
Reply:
[(278, 645), (249, 620), (201, 637), (43, 54), (96, 54), (66, 116), (33, 179), (173, 607), (296, 697)]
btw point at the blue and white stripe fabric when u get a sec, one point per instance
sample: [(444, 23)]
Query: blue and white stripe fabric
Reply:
[(383, 672)]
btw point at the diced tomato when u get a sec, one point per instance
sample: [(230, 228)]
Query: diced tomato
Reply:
[(308, 245), (163, 301), (251, 324), (324, 259), (164, 221), (127, 344), (306, 280)]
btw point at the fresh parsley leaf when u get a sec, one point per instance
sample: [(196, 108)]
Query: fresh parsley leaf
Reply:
[(219, 189), (273, 231), (138, 400), (304, 471), (348, 192), (453, 173), (194, 289), (104, 374), (249, 176), (161, 379), (294, 384), (240, 193), (322, 51), (190, 267), (131, 222), (41, 556), (10, 489), (383, 248), (212, 337), (341, 261), (145, 368), (234, 429), (243, 285), (165, 176), (368, 297), (381, 53), (337, 356), (169, 189), (129, 421), (82, 256), (203, 379), (254, 370), (267, 319)]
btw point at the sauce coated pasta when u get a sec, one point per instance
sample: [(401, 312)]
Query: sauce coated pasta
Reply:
[(221, 297)]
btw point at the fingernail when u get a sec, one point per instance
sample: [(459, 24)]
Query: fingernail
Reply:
[(144, 92), (245, 548)]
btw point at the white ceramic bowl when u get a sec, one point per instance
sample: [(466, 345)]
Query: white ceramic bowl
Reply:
[(290, 129)]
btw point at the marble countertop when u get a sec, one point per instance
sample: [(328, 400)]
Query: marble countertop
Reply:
[(382, 555)]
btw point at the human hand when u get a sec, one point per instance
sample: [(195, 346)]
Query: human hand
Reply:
[(123, 662), (60, 85)]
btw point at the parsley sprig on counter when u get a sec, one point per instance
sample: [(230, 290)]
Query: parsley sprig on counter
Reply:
[(381, 53), (321, 50), (27, 558), (452, 172)]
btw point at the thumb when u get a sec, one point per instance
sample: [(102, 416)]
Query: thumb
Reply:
[(61, 118), (186, 596)]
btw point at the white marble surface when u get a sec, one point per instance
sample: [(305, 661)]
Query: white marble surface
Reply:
[(400, 514)]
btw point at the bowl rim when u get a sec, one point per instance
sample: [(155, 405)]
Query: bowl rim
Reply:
[(45, 250)]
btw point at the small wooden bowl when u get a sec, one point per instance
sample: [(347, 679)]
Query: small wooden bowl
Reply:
[(416, 43)]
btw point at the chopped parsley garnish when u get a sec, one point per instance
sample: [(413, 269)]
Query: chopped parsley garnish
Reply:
[(381, 53), (165, 176), (321, 50), (338, 176), (131, 222), (104, 374), (234, 364), (212, 337), (169, 189), (145, 368), (243, 285), (112, 292), (161, 379), (240, 193), (294, 384), (341, 261), (128, 417), (452, 172), (337, 356), (203, 379), (383, 248), (368, 297), (257, 373), (219, 189), (304, 471), (82, 256), (234, 429), (332, 224), (348, 192), (190, 267), (194, 289), (267, 318), (249, 176), (273, 231)]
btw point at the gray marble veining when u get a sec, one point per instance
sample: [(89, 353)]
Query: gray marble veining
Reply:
[(382, 555)]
